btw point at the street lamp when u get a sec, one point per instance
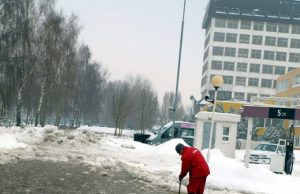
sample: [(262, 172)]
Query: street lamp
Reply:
[(174, 105), (217, 82)]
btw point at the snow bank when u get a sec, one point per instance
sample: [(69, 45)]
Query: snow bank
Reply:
[(9, 141)]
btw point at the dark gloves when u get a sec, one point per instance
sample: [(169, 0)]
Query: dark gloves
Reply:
[(180, 178)]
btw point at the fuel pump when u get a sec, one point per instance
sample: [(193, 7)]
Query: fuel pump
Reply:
[(289, 155)]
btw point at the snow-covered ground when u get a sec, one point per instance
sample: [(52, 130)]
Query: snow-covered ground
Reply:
[(159, 165)]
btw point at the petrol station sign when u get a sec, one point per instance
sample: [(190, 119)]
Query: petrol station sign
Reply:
[(271, 112), (282, 113)]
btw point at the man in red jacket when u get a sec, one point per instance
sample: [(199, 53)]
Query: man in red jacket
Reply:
[(194, 163)]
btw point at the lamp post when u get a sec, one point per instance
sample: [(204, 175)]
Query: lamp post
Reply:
[(217, 82), (174, 105)]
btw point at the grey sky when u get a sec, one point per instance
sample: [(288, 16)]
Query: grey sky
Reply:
[(142, 37)]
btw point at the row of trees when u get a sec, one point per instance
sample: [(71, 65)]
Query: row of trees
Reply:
[(48, 77)]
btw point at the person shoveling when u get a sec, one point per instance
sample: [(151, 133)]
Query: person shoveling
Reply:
[(194, 163)]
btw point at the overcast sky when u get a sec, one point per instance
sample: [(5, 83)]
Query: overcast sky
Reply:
[(142, 37)]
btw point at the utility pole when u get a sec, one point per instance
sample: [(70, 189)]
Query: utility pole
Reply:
[(174, 106)]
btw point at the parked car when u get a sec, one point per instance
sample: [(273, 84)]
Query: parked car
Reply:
[(184, 130), (262, 153)]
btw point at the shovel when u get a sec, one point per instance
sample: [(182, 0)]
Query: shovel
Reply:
[(179, 186)]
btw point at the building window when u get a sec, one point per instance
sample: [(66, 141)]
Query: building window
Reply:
[(274, 84), (268, 69), (230, 52), (296, 81), (266, 83), (258, 26), (245, 24), (255, 68), (294, 57), (204, 68), (295, 43), (270, 41), (206, 54), (282, 28), (233, 24), (249, 95), (282, 42), (253, 81), (225, 135), (224, 95), (207, 40), (239, 95), (220, 23), (219, 36), (228, 66), (281, 56), (265, 95), (291, 68), (218, 51), (243, 53), (231, 37), (256, 54), (295, 29), (269, 55), (279, 70), (282, 85), (228, 79), (241, 67), (257, 40), (271, 27), (203, 81), (244, 38), (216, 65), (240, 81)]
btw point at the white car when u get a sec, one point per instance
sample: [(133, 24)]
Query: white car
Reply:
[(263, 152)]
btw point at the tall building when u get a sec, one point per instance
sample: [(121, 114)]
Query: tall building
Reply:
[(250, 43)]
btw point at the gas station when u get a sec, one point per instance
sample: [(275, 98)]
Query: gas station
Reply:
[(251, 111)]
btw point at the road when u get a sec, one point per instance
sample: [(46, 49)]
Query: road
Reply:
[(48, 177)]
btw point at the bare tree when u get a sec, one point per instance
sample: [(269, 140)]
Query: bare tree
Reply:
[(166, 113), (120, 104), (145, 107)]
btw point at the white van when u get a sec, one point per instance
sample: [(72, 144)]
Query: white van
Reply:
[(184, 130)]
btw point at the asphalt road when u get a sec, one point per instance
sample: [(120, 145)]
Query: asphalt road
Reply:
[(48, 177)]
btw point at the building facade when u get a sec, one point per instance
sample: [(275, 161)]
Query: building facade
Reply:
[(250, 43), (288, 85)]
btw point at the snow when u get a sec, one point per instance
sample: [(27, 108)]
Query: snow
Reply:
[(159, 165)]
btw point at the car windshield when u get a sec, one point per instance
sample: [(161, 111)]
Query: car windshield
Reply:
[(266, 147)]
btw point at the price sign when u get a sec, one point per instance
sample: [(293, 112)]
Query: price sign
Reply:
[(282, 113)]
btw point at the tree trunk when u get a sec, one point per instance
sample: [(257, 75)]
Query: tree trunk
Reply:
[(42, 120), (58, 115), (27, 117), (19, 107), (57, 119), (40, 102)]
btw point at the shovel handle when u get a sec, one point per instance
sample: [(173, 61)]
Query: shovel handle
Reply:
[(179, 186)]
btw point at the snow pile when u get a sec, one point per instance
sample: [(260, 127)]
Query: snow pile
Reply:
[(9, 141)]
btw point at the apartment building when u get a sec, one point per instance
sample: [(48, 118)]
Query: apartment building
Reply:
[(250, 43)]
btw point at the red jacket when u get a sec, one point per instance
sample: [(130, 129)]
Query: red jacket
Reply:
[(194, 163)]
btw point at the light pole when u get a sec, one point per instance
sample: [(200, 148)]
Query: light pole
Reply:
[(217, 82), (174, 105)]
